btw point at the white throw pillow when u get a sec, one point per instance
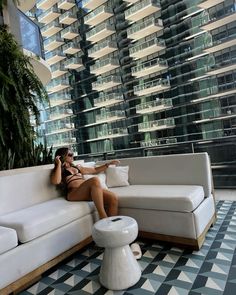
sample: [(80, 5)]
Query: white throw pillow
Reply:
[(117, 176), (101, 176)]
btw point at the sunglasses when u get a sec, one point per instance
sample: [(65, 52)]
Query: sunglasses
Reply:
[(70, 155)]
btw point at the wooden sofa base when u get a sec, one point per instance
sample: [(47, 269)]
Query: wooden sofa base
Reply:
[(194, 244), (35, 275)]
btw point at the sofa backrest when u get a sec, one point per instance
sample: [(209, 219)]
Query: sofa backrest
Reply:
[(185, 169), (20, 188)]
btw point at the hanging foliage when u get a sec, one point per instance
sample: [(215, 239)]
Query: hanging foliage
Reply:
[(20, 92)]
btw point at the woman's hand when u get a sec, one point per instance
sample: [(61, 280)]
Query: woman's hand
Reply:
[(113, 162), (57, 161)]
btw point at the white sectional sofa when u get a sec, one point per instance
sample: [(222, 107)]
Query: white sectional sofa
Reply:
[(171, 197)]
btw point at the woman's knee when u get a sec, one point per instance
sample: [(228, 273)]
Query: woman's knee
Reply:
[(114, 200)]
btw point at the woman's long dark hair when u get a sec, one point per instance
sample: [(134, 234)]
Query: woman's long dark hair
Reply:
[(62, 152)]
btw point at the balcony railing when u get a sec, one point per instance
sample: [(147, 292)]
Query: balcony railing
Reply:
[(102, 48), (98, 15), (68, 18), (58, 85), (73, 63), (152, 86), (71, 48), (59, 98), (100, 32), (53, 42), (111, 133), (106, 82), (92, 4), (54, 56), (142, 9), (66, 4), (148, 27), (51, 29), (156, 125), (110, 116), (70, 32), (157, 142), (49, 15), (58, 70), (140, 50), (220, 16), (149, 67), (153, 106), (103, 66), (108, 99)]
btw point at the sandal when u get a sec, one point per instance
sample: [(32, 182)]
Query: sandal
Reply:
[(135, 248)]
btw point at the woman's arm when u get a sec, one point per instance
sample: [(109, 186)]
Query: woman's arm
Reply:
[(56, 173), (96, 170)]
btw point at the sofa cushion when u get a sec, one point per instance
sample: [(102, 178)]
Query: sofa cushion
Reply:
[(8, 239), (181, 198), (42, 218)]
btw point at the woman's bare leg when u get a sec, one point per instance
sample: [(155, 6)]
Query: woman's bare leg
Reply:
[(90, 190), (111, 202)]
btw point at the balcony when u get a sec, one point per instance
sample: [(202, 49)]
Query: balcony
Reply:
[(51, 29), (106, 82), (212, 21), (25, 5), (149, 67), (156, 142), (110, 116), (223, 67), (153, 106), (65, 4), (45, 4), (110, 133), (60, 98), (73, 63), (58, 85), (156, 125), (100, 32), (54, 56), (71, 48), (58, 70), (103, 66), (131, 1), (98, 15), (205, 4), (53, 42), (68, 18), (221, 44), (108, 99), (148, 27), (140, 50), (49, 15), (92, 4), (69, 33), (102, 49), (40, 66), (60, 114), (142, 9), (154, 86)]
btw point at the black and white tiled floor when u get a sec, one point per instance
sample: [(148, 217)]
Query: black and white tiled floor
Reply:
[(165, 269)]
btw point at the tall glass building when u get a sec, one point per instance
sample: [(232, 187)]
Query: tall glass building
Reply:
[(148, 77)]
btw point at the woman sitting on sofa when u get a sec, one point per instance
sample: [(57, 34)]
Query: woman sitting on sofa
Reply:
[(79, 189)]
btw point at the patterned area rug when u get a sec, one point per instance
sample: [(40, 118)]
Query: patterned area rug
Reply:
[(165, 269)]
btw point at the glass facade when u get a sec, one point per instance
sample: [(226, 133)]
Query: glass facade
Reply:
[(150, 77)]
